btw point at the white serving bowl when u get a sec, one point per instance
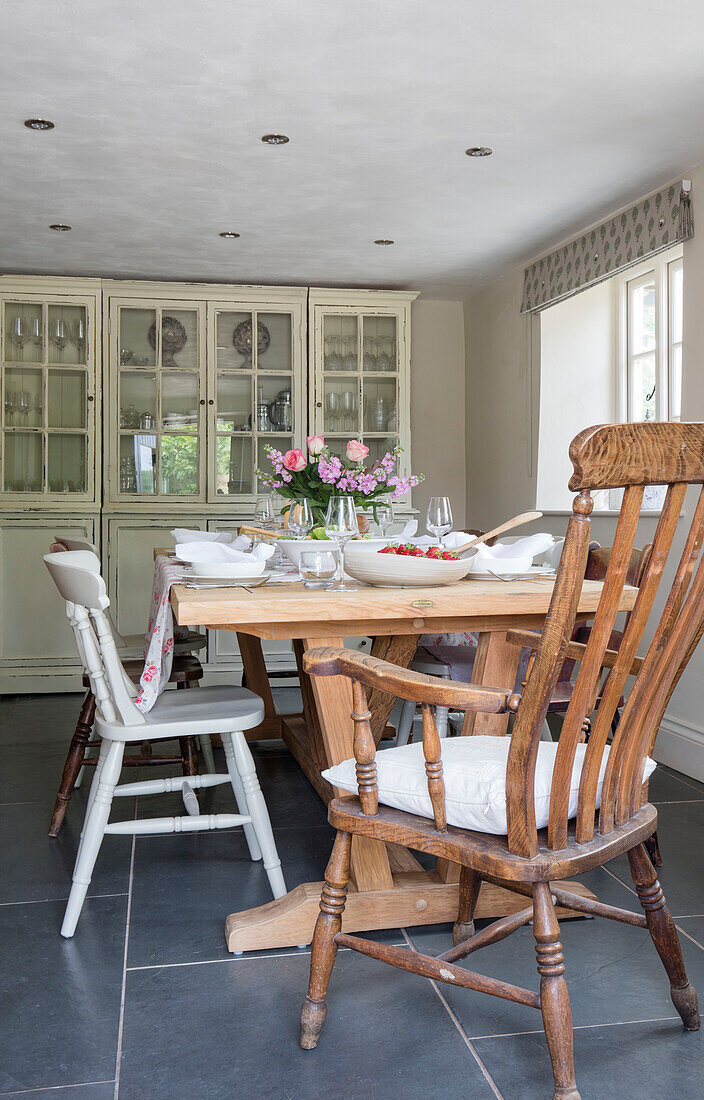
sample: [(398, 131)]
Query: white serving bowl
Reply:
[(293, 548), (485, 563), (229, 570), (399, 571)]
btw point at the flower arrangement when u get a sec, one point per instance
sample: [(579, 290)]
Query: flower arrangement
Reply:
[(320, 475)]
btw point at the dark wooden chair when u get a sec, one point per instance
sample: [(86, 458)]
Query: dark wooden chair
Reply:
[(526, 860), (186, 671)]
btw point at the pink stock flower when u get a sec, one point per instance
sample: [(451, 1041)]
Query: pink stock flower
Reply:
[(315, 444), (295, 460), (356, 451)]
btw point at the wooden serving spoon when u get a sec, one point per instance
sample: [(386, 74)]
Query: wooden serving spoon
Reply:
[(517, 521)]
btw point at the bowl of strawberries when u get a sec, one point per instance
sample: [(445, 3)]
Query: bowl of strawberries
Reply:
[(405, 565)]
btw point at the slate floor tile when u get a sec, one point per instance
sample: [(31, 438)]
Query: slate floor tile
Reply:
[(648, 1061), (91, 1090), (61, 1000), (231, 1030)]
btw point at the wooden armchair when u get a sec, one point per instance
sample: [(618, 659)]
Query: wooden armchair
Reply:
[(605, 821)]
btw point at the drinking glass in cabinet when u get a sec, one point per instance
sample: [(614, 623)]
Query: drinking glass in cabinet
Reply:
[(379, 351), (179, 401), (23, 332), (23, 397), (67, 334), (380, 405), (234, 465), (234, 402), (66, 463), (341, 406), (135, 347), (179, 465), (22, 462), (276, 354), (339, 342), (138, 463), (66, 404), (137, 399)]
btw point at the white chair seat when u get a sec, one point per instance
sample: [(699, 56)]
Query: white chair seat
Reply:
[(179, 713), (474, 772)]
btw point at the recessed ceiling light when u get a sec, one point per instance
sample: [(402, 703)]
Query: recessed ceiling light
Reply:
[(275, 139), (38, 124), (59, 227), (229, 234), (479, 151), (382, 241)]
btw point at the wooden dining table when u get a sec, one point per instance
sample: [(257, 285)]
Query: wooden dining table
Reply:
[(389, 887)]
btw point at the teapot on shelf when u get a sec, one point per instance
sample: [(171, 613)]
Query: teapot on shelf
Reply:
[(280, 411)]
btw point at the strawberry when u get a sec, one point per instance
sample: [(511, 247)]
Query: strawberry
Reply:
[(417, 553), (447, 556)]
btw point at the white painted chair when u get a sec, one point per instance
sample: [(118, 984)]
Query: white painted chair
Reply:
[(223, 710), (423, 662)]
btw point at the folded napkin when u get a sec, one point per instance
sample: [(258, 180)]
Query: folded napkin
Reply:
[(409, 530), (182, 534), (218, 552), (529, 547)]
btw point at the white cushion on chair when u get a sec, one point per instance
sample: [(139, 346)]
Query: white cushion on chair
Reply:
[(475, 780)]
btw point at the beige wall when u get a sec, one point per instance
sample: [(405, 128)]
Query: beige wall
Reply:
[(438, 404), (503, 397)]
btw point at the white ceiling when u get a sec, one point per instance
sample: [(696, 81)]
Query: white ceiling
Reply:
[(160, 106)]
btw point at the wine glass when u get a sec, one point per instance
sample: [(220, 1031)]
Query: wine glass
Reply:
[(348, 408), (19, 332), (60, 333), (264, 511), (300, 518), (332, 407), (10, 407), (384, 517), (78, 336), (24, 405), (341, 525), (333, 359), (439, 517), (36, 334), (369, 358), (383, 362), (350, 360)]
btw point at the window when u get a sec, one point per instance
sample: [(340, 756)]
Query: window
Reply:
[(610, 353), (650, 326)]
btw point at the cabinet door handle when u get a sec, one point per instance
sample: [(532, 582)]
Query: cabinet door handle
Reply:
[(319, 404), (212, 401), (90, 396), (202, 400)]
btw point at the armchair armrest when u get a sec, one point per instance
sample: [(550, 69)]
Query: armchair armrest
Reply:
[(530, 639), (405, 684)]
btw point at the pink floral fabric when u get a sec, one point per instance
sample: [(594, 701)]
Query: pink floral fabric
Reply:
[(159, 655)]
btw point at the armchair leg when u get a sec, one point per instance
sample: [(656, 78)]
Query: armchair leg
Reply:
[(664, 934), (74, 762), (469, 892), (554, 998), (324, 948)]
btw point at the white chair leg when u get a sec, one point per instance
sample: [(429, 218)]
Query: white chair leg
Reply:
[(207, 750), (240, 799), (93, 830), (405, 722), (441, 720), (256, 808)]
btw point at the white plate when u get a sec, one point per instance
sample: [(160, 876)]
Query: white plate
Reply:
[(533, 573), (227, 582), (229, 570)]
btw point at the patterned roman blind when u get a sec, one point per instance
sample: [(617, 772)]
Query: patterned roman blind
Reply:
[(649, 226)]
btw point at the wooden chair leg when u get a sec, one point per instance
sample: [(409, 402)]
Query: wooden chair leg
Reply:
[(189, 755), (554, 998), (74, 762), (652, 847), (324, 948), (664, 934), (469, 892)]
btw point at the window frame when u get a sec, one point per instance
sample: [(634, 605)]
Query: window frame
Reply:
[(661, 269)]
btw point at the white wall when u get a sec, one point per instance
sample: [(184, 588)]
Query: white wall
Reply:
[(438, 404), (503, 402), (577, 383)]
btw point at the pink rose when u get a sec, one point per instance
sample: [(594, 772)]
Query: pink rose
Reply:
[(356, 451), (295, 460), (315, 444)]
